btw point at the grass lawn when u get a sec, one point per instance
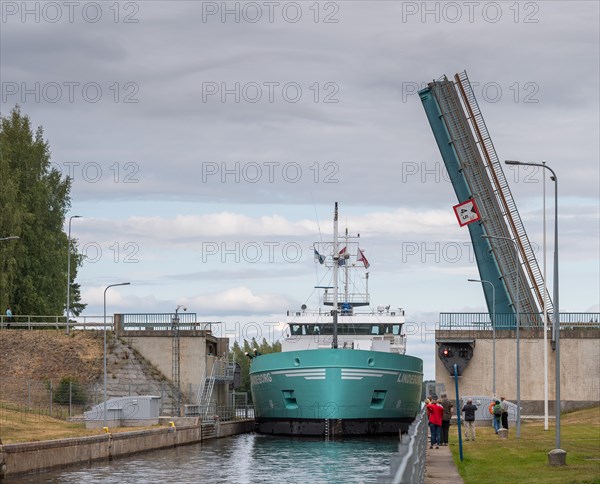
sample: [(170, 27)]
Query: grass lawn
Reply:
[(494, 460), (19, 426)]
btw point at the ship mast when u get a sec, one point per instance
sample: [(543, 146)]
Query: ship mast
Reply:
[(346, 266), (336, 256)]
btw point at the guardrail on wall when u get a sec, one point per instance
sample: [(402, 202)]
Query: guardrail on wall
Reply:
[(409, 465)]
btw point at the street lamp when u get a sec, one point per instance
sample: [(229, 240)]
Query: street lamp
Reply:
[(555, 312), (517, 310), (106, 289), (176, 374), (494, 332), (69, 268)]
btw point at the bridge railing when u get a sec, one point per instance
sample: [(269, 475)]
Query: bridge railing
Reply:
[(507, 320), (409, 464)]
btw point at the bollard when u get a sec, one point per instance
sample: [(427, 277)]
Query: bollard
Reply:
[(557, 457)]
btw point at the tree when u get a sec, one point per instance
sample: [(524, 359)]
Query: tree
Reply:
[(244, 361), (33, 202)]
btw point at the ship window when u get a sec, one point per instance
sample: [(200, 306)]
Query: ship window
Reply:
[(374, 329), (396, 329), (296, 329)]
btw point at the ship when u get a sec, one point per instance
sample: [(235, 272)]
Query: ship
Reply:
[(343, 367)]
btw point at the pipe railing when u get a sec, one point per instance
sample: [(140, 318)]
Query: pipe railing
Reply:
[(507, 320)]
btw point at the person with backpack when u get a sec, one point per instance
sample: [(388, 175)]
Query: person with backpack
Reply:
[(469, 410), (497, 414)]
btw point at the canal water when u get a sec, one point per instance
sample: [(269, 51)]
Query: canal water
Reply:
[(247, 458)]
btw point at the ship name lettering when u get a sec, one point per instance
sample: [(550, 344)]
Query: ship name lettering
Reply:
[(409, 379), (262, 378)]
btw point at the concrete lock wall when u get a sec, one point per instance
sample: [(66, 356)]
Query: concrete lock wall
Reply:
[(192, 351), (579, 358), (32, 457)]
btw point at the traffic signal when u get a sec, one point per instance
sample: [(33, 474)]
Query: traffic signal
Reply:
[(457, 353)]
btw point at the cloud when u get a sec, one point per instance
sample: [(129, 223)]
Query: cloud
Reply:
[(240, 301)]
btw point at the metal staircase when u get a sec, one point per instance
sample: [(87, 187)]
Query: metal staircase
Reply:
[(222, 371), (483, 174), (501, 190)]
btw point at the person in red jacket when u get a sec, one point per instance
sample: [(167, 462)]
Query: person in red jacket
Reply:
[(435, 412)]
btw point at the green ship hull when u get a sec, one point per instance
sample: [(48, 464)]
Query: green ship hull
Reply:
[(335, 391)]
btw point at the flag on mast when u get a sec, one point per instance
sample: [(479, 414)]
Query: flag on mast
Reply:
[(342, 259), (361, 258), (319, 257)]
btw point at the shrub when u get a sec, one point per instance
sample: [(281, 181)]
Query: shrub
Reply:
[(61, 393)]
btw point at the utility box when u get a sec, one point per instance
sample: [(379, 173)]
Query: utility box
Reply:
[(125, 412)]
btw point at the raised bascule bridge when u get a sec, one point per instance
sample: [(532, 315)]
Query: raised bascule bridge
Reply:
[(510, 277)]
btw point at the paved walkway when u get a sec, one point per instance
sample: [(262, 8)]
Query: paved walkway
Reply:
[(440, 468)]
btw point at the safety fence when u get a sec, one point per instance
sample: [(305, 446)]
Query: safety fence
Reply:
[(483, 321), (409, 465), (66, 398)]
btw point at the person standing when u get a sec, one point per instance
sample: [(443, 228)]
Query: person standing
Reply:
[(504, 416), (435, 412), (469, 410), (497, 415), (9, 316), (446, 416)]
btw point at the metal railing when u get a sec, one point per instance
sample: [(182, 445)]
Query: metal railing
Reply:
[(222, 413), (132, 322), (409, 465), (55, 322), (449, 321), (164, 322)]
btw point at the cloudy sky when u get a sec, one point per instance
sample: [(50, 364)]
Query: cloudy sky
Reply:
[(208, 141)]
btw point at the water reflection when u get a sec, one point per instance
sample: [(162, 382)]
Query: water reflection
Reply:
[(248, 458)]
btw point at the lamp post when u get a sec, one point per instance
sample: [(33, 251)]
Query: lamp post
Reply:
[(517, 310), (494, 332), (555, 312), (106, 289), (176, 373), (69, 269)]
